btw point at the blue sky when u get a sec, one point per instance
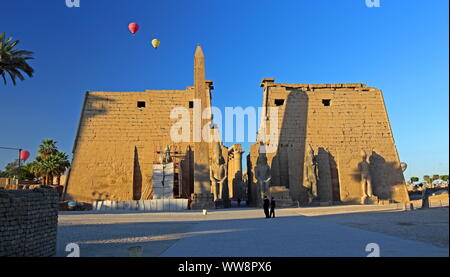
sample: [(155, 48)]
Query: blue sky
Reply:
[(401, 47)]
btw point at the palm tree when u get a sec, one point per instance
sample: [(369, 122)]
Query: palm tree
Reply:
[(61, 161), (37, 168), (47, 148), (428, 180), (50, 162), (13, 61), (52, 165)]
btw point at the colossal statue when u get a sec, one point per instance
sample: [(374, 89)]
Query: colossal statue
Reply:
[(311, 173), (262, 173), (366, 180), (218, 173), (165, 157)]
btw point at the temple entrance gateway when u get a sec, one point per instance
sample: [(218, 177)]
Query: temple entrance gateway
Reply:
[(321, 130), (132, 130)]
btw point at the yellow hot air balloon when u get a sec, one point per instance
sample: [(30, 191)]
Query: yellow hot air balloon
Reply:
[(156, 43)]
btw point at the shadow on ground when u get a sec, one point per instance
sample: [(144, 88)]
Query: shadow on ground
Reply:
[(426, 225), (242, 233)]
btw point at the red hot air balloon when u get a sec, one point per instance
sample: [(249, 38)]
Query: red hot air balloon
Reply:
[(133, 27), (24, 155)]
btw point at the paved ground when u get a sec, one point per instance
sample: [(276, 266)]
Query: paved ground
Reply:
[(318, 232), (430, 225)]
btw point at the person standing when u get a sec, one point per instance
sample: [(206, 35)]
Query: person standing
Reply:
[(272, 207), (266, 206)]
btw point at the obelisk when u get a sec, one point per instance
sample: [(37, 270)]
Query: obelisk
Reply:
[(202, 197)]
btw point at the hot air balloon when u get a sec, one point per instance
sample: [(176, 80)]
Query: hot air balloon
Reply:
[(133, 27), (403, 166), (156, 43), (24, 155)]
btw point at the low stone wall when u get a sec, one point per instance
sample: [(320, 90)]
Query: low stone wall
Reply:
[(8, 183), (28, 222), (434, 202)]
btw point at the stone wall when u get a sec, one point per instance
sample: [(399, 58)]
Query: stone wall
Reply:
[(117, 143), (8, 182), (338, 121), (28, 222)]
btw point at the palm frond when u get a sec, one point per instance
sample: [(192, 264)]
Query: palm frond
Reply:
[(4, 78), (12, 76), (12, 61)]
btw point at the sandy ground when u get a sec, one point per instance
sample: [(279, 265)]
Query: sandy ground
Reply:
[(319, 231)]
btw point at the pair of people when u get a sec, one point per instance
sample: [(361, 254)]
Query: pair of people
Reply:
[(269, 204)]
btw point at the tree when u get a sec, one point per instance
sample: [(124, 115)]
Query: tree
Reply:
[(427, 179), (25, 172), (414, 179), (47, 148), (444, 177), (59, 163), (37, 169), (50, 162), (435, 177), (13, 62), (12, 170)]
